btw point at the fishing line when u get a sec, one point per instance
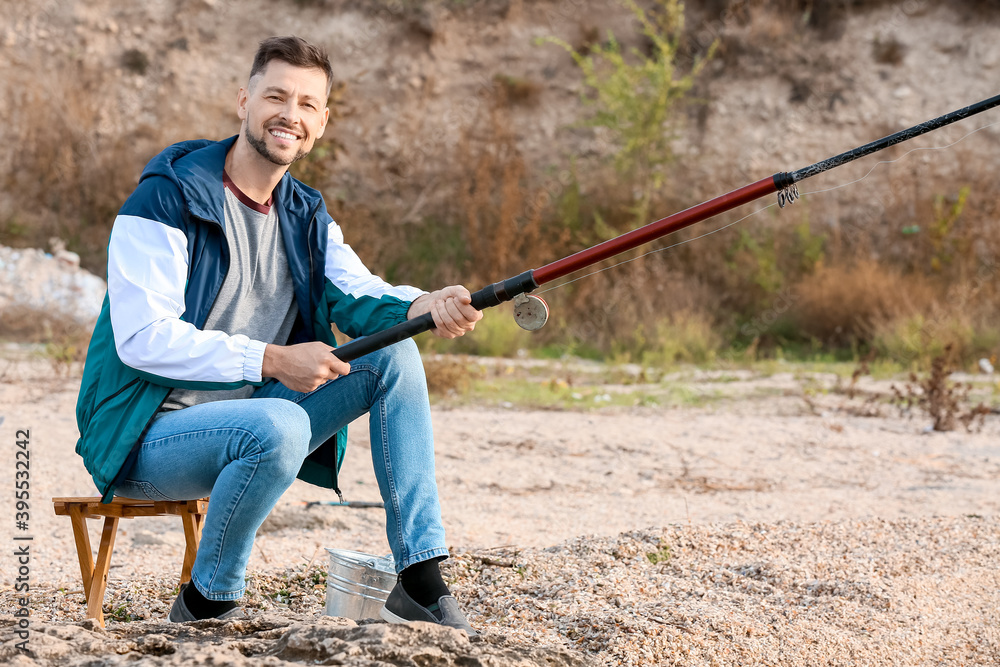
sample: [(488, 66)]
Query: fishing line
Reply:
[(772, 205)]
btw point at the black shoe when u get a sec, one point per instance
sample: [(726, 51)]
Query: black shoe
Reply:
[(401, 608), (179, 613)]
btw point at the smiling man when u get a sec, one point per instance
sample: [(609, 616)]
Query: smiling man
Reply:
[(212, 368)]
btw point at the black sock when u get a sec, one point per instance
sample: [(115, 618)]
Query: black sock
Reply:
[(201, 607), (423, 582)]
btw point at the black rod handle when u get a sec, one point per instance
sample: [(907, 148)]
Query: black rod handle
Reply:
[(491, 295), (385, 338)]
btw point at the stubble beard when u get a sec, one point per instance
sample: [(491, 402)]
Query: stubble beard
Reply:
[(260, 145)]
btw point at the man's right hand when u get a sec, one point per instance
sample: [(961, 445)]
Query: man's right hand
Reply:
[(303, 367)]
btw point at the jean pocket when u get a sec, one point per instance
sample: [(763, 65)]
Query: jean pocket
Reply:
[(136, 490)]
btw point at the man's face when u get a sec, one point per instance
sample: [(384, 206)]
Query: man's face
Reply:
[(284, 111)]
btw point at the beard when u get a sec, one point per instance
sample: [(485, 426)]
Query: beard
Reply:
[(260, 145)]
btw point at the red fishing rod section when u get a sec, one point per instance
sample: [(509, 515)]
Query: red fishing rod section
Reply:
[(655, 230)]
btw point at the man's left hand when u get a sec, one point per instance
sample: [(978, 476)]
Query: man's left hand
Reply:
[(450, 307)]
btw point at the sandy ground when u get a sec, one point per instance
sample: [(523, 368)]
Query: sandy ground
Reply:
[(757, 528)]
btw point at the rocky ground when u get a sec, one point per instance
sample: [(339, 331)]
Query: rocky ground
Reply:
[(769, 522)]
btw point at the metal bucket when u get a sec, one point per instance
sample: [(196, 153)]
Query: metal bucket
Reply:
[(358, 584)]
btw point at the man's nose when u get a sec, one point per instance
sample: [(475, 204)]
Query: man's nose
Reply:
[(290, 112)]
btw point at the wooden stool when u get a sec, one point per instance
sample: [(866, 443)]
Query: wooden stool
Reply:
[(95, 576)]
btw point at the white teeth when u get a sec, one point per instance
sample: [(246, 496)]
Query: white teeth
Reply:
[(283, 135)]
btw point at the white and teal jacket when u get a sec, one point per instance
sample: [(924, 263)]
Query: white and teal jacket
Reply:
[(167, 259)]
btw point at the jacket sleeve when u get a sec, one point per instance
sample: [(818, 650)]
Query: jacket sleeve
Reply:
[(360, 302), (147, 276)]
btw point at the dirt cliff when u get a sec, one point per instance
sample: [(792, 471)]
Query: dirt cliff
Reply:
[(99, 86)]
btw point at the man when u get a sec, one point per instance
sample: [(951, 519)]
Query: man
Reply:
[(211, 369)]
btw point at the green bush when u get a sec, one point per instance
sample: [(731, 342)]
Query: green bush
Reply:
[(637, 100)]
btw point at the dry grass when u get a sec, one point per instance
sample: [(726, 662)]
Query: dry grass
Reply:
[(76, 164), (944, 401), (494, 193), (917, 340), (685, 336), (518, 91), (844, 303), (446, 377), (65, 341)]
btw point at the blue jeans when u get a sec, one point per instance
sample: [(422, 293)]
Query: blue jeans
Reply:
[(245, 453)]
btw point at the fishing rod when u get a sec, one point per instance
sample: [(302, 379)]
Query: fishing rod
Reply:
[(531, 312)]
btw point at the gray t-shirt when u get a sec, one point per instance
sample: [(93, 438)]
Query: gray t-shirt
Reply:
[(257, 297)]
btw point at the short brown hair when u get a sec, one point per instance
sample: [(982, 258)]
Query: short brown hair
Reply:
[(294, 51)]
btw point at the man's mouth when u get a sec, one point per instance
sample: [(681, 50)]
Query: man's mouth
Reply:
[(283, 136)]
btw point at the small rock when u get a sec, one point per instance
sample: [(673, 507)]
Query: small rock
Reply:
[(68, 259), (51, 284)]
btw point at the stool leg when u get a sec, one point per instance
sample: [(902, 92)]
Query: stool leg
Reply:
[(192, 536), (199, 523), (82, 537), (99, 583)]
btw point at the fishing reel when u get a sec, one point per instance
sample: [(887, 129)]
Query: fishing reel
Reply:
[(530, 312)]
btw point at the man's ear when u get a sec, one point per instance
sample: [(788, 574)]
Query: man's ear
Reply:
[(241, 103), (326, 118)]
